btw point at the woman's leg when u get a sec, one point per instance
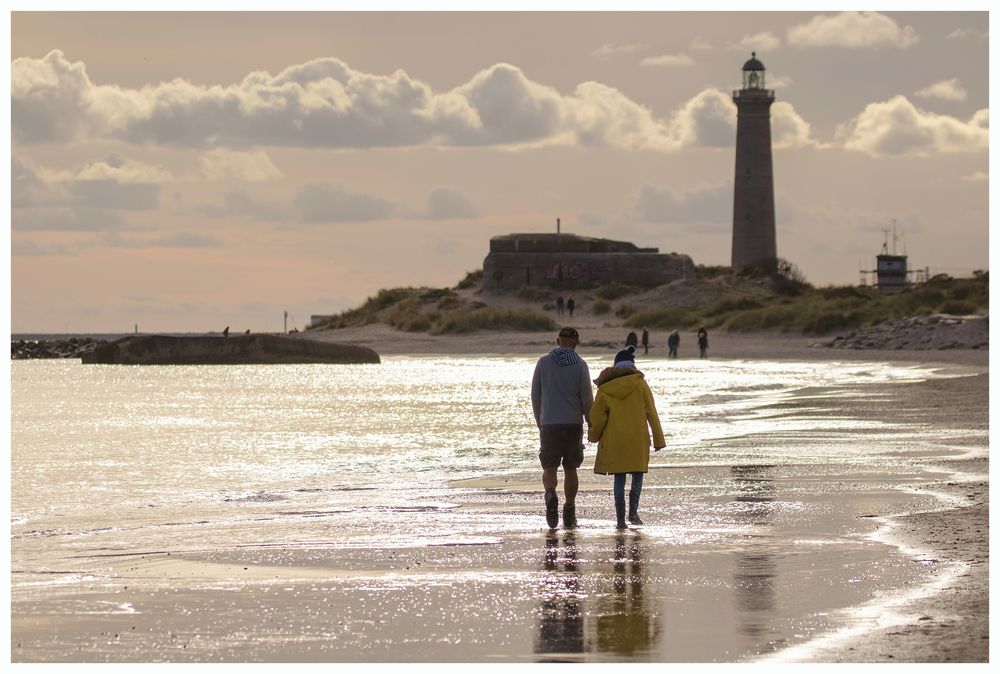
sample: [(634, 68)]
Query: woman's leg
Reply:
[(620, 499), (633, 498)]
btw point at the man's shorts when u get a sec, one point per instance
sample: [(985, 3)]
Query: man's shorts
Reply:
[(561, 444)]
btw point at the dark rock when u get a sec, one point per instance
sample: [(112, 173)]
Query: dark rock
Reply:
[(232, 350)]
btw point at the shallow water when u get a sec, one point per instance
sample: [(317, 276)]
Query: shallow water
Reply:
[(350, 496)]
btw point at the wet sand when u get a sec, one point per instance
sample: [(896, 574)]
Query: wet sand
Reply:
[(601, 593)]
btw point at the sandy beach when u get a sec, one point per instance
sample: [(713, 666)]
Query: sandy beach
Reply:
[(950, 626), (435, 598)]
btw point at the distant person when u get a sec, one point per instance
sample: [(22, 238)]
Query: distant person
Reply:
[(673, 341), (247, 332), (632, 340), (225, 333), (620, 421), (645, 340), (570, 305), (560, 305), (560, 399), (703, 341)]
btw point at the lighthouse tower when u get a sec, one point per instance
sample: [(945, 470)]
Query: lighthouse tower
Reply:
[(753, 187)]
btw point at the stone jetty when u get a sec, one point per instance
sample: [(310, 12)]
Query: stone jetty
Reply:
[(218, 350)]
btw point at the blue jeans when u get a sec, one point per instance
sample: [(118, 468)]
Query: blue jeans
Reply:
[(620, 491)]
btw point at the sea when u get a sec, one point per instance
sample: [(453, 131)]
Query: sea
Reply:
[(407, 494)]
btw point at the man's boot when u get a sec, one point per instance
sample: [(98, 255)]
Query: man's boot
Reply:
[(551, 508), (569, 515), (620, 514)]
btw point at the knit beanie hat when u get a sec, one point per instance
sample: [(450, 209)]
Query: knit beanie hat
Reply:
[(626, 357)]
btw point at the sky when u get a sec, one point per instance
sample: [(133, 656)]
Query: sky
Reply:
[(185, 171)]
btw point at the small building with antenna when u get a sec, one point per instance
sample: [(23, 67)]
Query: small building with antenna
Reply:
[(891, 269)]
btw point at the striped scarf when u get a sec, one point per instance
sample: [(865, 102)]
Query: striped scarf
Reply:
[(564, 356)]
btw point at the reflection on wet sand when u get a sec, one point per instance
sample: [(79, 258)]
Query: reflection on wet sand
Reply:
[(754, 577), (560, 631), (626, 622), (621, 620)]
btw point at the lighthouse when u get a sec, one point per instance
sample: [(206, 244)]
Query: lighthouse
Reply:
[(753, 185)]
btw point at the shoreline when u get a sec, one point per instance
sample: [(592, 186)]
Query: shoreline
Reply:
[(949, 625)]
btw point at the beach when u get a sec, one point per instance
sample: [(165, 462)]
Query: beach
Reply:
[(466, 571)]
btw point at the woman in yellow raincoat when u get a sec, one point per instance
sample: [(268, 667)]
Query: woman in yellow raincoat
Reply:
[(620, 421)]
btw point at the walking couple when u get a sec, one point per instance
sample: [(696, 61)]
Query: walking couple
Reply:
[(619, 420)]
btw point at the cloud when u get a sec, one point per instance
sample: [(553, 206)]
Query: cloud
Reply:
[(700, 44), (978, 176), (176, 240), (113, 168), (109, 184), (223, 164), (668, 60), (707, 120), (608, 51), (332, 203), (445, 203), (967, 34), (780, 81), (852, 30), (705, 208), (241, 204), (788, 129), (947, 90), (897, 127), (319, 104), (65, 219), (29, 248), (115, 195), (758, 42)]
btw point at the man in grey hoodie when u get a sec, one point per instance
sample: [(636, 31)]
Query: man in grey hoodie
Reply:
[(561, 398)]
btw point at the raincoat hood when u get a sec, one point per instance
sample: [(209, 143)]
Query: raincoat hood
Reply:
[(622, 387), (609, 373)]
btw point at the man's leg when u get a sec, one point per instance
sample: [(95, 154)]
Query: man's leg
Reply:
[(549, 480), (571, 485)]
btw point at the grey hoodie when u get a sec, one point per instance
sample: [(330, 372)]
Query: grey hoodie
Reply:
[(561, 394)]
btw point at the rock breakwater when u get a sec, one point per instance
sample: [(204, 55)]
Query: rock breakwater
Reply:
[(235, 350), (74, 347), (921, 333)]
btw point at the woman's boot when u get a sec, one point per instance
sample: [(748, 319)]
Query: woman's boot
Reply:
[(633, 507)]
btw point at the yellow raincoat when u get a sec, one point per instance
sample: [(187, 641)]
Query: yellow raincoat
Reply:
[(620, 418)]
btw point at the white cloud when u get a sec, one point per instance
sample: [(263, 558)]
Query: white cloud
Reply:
[(254, 166), (113, 183), (947, 90), (967, 33), (607, 51), (333, 203), (707, 120), (977, 177), (852, 30), (668, 60), (897, 127), (780, 82), (700, 44), (446, 203), (114, 168), (788, 129), (759, 42)]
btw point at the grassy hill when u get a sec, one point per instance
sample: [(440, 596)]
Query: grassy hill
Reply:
[(716, 297)]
